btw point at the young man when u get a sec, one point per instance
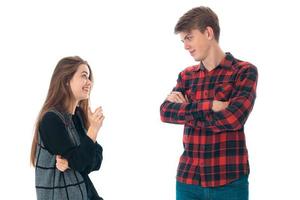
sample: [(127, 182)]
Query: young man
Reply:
[(213, 100)]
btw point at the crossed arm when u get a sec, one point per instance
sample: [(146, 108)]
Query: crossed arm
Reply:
[(177, 97), (84, 158), (212, 114)]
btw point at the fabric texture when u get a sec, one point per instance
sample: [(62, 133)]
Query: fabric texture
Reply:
[(214, 144), (236, 190), (63, 134)]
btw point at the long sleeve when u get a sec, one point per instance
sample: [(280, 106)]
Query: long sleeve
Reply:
[(56, 139), (240, 105), (98, 156), (181, 113), (97, 160), (199, 114), (214, 142)]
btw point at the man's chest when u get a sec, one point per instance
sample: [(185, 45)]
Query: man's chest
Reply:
[(204, 86)]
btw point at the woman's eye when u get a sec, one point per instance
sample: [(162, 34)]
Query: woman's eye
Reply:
[(84, 76)]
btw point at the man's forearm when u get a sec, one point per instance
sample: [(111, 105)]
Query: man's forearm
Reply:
[(181, 113)]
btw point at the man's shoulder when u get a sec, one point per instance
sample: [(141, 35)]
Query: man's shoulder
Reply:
[(190, 69), (240, 65)]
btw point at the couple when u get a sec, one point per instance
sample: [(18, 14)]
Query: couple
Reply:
[(212, 99)]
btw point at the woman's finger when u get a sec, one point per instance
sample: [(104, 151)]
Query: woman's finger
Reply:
[(98, 111)]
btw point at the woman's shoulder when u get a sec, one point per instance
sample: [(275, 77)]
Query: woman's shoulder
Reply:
[(52, 117)]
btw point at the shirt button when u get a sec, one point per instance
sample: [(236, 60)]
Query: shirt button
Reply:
[(205, 93)]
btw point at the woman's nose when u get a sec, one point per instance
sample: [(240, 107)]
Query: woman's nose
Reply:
[(89, 82)]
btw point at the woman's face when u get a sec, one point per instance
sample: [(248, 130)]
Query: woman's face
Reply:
[(80, 83)]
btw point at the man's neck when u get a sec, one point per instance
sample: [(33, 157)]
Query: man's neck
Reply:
[(214, 57)]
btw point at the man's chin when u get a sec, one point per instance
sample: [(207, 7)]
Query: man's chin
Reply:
[(197, 59)]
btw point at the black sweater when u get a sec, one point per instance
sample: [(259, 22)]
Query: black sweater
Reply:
[(84, 158)]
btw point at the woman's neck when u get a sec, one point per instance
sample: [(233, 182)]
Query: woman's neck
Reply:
[(72, 107)]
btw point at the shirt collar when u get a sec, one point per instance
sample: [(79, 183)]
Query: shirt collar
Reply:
[(225, 63)]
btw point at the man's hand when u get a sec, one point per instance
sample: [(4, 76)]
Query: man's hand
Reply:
[(177, 97), (219, 105), (61, 163)]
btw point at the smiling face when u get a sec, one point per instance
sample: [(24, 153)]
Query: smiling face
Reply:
[(80, 83), (197, 43)]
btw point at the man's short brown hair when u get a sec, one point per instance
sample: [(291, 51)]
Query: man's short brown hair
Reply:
[(199, 18)]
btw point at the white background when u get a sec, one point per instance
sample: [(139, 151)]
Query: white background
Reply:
[(135, 58)]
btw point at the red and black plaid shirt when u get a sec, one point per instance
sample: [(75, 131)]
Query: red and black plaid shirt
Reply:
[(215, 150)]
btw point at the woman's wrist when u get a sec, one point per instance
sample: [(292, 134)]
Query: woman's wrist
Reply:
[(92, 134)]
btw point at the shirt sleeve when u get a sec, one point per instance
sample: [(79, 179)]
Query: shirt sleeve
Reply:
[(56, 140), (97, 160), (240, 105), (181, 113)]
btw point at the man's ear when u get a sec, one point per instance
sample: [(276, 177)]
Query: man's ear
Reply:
[(210, 33)]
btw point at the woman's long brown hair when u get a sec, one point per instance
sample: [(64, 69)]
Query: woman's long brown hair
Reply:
[(60, 95)]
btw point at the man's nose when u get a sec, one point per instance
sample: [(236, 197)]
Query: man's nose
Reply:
[(186, 46)]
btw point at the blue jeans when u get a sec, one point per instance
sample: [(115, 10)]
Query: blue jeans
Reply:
[(236, 190)]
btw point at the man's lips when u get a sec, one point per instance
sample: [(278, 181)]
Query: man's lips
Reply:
[(192, 52)]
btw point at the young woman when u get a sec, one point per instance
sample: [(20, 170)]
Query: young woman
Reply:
[(64, 148)]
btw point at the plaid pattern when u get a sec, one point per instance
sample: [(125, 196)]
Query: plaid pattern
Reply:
[(215, 150), (50, 182)]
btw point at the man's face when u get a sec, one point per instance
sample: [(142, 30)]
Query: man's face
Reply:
[(196, 43)]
